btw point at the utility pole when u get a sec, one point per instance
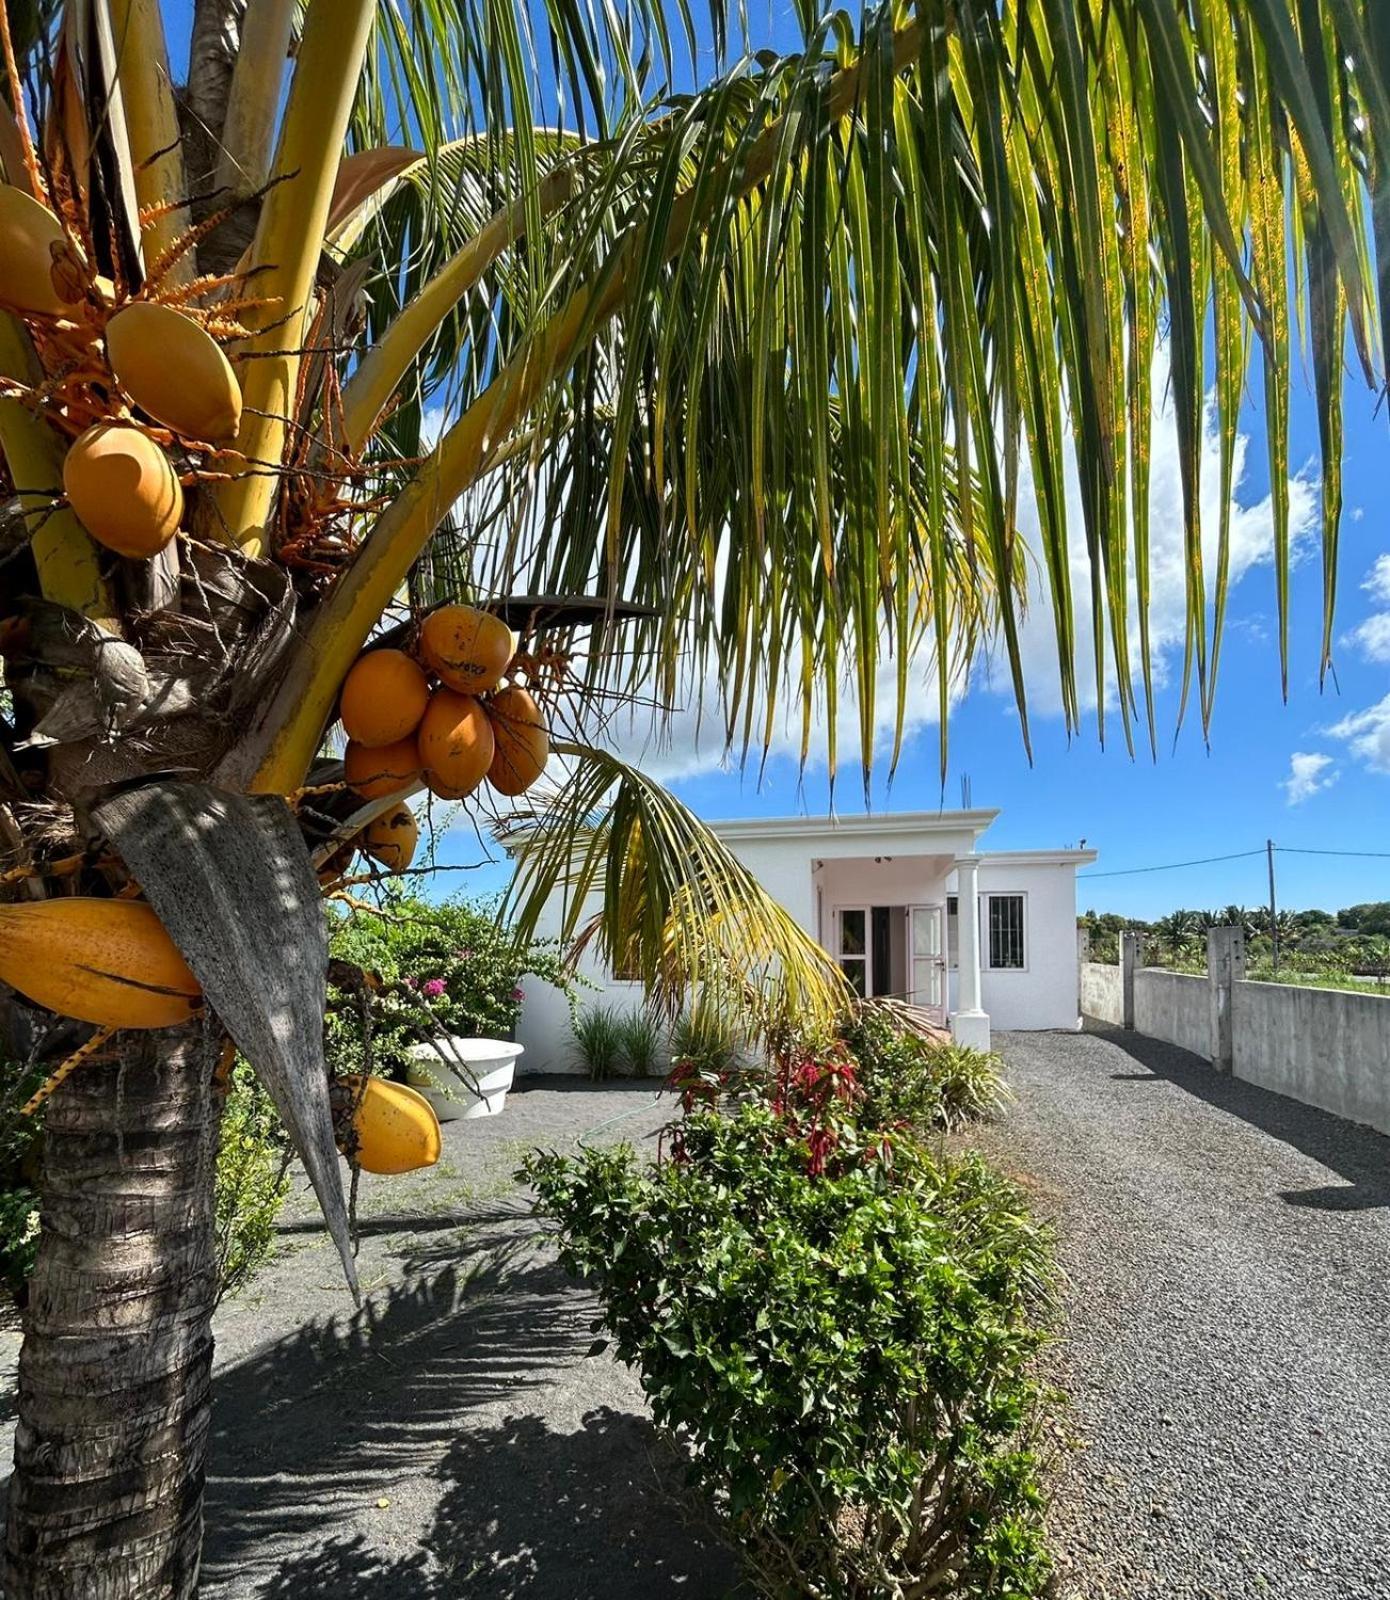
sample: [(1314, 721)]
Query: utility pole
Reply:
[(1273, 908)]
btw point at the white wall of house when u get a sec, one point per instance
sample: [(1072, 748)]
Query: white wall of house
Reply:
[(814, 867), (1045, 992)]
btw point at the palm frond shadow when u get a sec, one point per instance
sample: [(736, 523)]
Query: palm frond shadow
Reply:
[(438, 1379)]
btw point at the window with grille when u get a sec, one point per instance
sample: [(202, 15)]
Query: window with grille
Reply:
[(1006, 946)]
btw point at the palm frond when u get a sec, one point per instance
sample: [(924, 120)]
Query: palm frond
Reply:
[(784, 314), (639, 877)]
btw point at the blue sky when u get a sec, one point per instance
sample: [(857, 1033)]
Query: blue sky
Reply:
[(1313, 773)]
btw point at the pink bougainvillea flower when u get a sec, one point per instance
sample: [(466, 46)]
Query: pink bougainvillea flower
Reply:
[(412, 983), (518, 995), (434, 988)]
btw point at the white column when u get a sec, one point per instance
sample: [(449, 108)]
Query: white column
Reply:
[(969, 1021)]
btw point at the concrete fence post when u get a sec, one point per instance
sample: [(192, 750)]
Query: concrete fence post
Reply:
[(1131, 959), (1225, 964), (1083, 942)]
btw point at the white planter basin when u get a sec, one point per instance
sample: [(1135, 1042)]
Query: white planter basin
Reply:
[(475, 1072)]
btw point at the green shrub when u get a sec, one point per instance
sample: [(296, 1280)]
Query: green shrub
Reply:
[(19, 1238), (908, 1080), (445, 969), (640, 1041), (252, 1178), (597, 1033), (705, 1042), (847, 1356), (20, 1149)]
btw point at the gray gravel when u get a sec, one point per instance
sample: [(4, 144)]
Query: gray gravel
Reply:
[(1227, 1346), (452, 1438)]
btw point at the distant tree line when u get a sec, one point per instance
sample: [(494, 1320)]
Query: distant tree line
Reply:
[(1354, 940)]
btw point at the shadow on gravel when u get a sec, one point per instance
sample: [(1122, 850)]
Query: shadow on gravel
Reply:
[(528, 1512), (1359, 1154), (310, 1431)]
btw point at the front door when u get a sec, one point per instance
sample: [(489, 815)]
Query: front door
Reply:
[(927, 949), (853, 949)]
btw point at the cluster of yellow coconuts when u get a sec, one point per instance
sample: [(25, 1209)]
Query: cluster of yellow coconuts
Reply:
[(118, 480), (443, 713)]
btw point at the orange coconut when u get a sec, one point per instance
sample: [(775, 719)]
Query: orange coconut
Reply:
[(384, 696), (456, 744), (173, 368), (522, 743), (376, 771), (466, 649), (123, 488), (392, 838), (396, 1128), (28, 231)]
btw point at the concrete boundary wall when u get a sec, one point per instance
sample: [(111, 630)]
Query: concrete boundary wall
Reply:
[(1102, 993), (1325, 1047), (1328, 1048), (1174, 1006)]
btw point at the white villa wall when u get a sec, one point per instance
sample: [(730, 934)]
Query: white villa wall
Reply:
[(913, 868), (1044, 994)]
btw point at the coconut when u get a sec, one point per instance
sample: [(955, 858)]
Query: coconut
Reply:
[(28, 232), (174, 369), (392, 838), (456, 744), (376, 771), (396, 1128), (123, 488), (384, 696), (110, 962), (522, 743), (466, 649)]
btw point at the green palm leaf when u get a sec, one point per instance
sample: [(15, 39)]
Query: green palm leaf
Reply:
[(656, 891)]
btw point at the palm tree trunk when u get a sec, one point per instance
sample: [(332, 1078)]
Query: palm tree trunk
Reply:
[(114, 1375)]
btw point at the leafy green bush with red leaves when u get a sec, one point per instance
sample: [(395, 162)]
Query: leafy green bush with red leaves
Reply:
[(840, 1330)]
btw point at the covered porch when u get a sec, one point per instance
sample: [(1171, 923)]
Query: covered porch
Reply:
[(907, 927)]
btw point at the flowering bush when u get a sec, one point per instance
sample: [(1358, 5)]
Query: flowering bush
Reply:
[(446, 969), (843, 1343)]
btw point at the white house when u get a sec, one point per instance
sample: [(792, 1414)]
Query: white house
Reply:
[(910, 906)]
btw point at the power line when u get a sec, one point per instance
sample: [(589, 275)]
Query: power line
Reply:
[(1240, 855), (1299, 850), (1172, 866)]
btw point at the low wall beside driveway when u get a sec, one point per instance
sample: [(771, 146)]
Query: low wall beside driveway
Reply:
[(1102, 992), (1328, 1048), (1174, 1006)]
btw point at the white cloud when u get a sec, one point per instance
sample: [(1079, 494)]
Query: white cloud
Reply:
[(1372, 635), (1308, 775), (1377, 581), (1367, 734)]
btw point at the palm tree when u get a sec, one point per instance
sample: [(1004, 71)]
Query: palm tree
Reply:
[(1177, 932), (756, 364)]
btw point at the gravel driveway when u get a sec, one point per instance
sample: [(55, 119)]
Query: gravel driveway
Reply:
[(451, 1438), (1228, 1339)]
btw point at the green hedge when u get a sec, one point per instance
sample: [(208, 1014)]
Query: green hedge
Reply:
[(840, 1329)]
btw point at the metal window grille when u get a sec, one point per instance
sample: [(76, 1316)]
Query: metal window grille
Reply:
[(1006, 930)]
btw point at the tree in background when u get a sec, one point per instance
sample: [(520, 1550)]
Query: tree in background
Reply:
[(724, 387)]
